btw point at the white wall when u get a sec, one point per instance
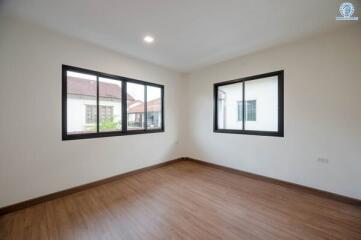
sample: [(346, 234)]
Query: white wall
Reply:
[(33, 159), (322, 114)]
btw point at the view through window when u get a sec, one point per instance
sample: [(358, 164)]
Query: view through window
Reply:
[(95, 104), (262, 113)]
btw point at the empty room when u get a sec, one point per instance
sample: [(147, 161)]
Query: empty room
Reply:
[(170, 119)]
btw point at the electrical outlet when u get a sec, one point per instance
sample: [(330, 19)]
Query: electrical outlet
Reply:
[(322, 160)]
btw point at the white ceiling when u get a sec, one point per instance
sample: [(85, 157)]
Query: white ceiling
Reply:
[(188, 33)]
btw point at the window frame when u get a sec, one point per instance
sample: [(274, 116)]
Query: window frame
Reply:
[(124, 80), (279, 133)]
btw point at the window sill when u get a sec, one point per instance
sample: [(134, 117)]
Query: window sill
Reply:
[(66, 137), (250, 132)]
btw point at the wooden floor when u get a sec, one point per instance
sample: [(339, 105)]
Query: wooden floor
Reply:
[(186, 200)]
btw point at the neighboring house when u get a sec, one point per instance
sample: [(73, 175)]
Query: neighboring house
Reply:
[(136, 114), (136, 118), (82, 99)]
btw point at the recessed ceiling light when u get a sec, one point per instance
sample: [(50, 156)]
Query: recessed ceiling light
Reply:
[(148, 39)]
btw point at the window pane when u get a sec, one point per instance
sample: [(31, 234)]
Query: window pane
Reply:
[(81, 99), (261, 96), (154, 117), (251, 110), (135, 106), (110, 105), (230, 106), (90, 114)]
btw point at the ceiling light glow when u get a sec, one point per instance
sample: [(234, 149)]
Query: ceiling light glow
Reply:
[(148, 39)]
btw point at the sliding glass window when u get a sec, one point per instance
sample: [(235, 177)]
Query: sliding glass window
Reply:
[(96, 104), (251, 105)]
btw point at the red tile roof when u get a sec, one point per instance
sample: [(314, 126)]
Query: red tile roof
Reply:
[(80, 86), (152, 106)]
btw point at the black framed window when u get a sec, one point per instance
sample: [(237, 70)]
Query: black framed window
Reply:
[(96, 104), (251, 105)]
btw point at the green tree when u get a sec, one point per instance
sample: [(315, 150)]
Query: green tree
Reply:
[(109, 124), (106, 125)]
